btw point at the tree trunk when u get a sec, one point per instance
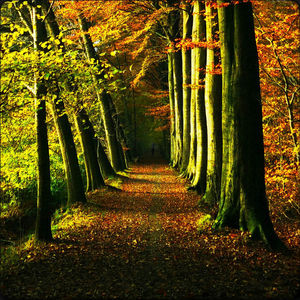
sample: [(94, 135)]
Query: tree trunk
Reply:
[(186, 81), (199, 180), (68, 149), (105, 166), (243, 202), (177, 74), (171, 100), (172, 32), (114, 148), (44, 197), (104, 98), (191, 168), (69, 153), (120, 134), (213, 104), (176, 59), (89, 146)]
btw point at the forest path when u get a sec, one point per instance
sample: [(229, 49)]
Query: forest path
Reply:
[(142, 243)]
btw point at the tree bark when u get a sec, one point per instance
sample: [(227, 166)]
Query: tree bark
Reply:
[(44, 197), (243, 202), (114, 148), (173, 23), (69, 153), (213, 105), (186, 81), (191, 168), (89, 145), (199, 180), (104, 163), (171, 101), (177, 74), (120, 134), (172, 32)]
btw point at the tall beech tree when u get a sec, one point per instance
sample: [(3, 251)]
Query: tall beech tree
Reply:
[(104, 163), (172, 32), (171, 102), (119, 133), (73, 175), (117, 160), (44, 198), (75, 186), (85, 131), (186, 82), (243, 201), (198, 66), (191, 167), (213, 104), (88, 141)]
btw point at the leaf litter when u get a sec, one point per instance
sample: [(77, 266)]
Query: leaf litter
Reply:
[(143, 243)]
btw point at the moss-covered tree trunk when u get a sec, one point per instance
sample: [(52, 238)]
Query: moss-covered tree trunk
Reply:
[(243, 202), (88, 142), (104, 99), (213, 106), (44, 197), (186, 81), (199, 180)]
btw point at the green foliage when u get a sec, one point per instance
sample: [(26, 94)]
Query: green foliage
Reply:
[(19, 64)]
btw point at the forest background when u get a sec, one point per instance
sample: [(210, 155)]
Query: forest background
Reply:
[(134, 56)]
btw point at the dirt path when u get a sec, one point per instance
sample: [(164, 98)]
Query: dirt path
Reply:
[(142, 243)]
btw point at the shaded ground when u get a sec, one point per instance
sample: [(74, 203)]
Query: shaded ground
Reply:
[(142, 242)]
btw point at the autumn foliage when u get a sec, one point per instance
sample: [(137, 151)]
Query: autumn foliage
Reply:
[(143, 235), (278, 48)]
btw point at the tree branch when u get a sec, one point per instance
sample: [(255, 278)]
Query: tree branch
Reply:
[(24, 19), (30, 89)]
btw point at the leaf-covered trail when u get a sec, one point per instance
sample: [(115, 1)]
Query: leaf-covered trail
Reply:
[(142, 243)]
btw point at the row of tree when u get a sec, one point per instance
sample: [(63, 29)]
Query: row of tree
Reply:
[(42, 25), (216, 117)]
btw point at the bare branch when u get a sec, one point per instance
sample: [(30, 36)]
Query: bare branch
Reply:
[(33, 92)]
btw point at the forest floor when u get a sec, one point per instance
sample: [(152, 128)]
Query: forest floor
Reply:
[(143, 243)]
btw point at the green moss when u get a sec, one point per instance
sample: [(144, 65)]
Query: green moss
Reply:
[(204, 222)]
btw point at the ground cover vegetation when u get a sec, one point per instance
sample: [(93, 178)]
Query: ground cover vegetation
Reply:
[(97, 97)]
